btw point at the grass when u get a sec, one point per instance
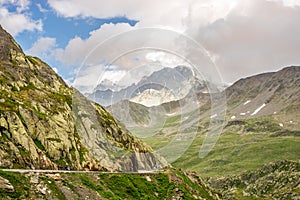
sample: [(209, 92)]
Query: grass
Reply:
[(30, 86), (33, 60), (136, 186), (61, 98), (39, 144), (191, 184), (130, 186), (234, 154), (54, 188), (23, 152), (20, 183), (40, 115), (139, 113), (54, 139), (9, 103), (244, 145), (82, 151)]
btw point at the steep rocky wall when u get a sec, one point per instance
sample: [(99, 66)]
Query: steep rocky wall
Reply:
[(46, 124)]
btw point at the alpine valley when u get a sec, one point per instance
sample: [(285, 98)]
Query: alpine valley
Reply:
[(84, 152)]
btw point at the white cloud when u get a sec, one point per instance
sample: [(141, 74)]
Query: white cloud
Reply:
[(20, 5), (43, 47), (165, 59), (255, 37), (88, 78), (113, 76), (16, 23), (41, 9), (243, 37), (125, 52), (77, 48), (291, 2), (134, 9), (171, 14)]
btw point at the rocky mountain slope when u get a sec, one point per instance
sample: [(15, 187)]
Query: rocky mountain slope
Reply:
[(278, 180), (46, 124), (265, 94), (130, 113), (261, 125), (177, 81)]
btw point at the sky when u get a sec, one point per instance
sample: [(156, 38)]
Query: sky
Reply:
[(79, 38)]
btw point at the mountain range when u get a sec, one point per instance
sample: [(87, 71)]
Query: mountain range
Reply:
[(273, 93), (262, 115), (45, 124), (167, 84)]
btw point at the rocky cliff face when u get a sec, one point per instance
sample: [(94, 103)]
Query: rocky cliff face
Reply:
[(46, 124)]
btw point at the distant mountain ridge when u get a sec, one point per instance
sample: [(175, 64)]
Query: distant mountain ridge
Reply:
[(108, 85), (262, 115), (177, 80), (265, 94)]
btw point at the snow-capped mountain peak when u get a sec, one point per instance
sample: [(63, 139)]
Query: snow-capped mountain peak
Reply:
[(152, 97)]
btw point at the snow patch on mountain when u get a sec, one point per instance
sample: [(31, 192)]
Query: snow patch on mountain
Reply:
[(258, 109), (152, 97), (248, 101), (213, 116), (171, 114)]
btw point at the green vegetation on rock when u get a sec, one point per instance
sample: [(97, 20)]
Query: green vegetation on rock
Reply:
[(172, 184), (52, 126)]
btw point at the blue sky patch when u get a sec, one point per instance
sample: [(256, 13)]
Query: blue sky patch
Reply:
[(61, 28)]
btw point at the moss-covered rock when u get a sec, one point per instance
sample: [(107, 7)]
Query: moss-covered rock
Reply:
[(46, 124)]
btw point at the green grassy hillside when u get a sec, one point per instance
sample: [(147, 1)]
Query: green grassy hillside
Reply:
[(243, 145), (171, 184)]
